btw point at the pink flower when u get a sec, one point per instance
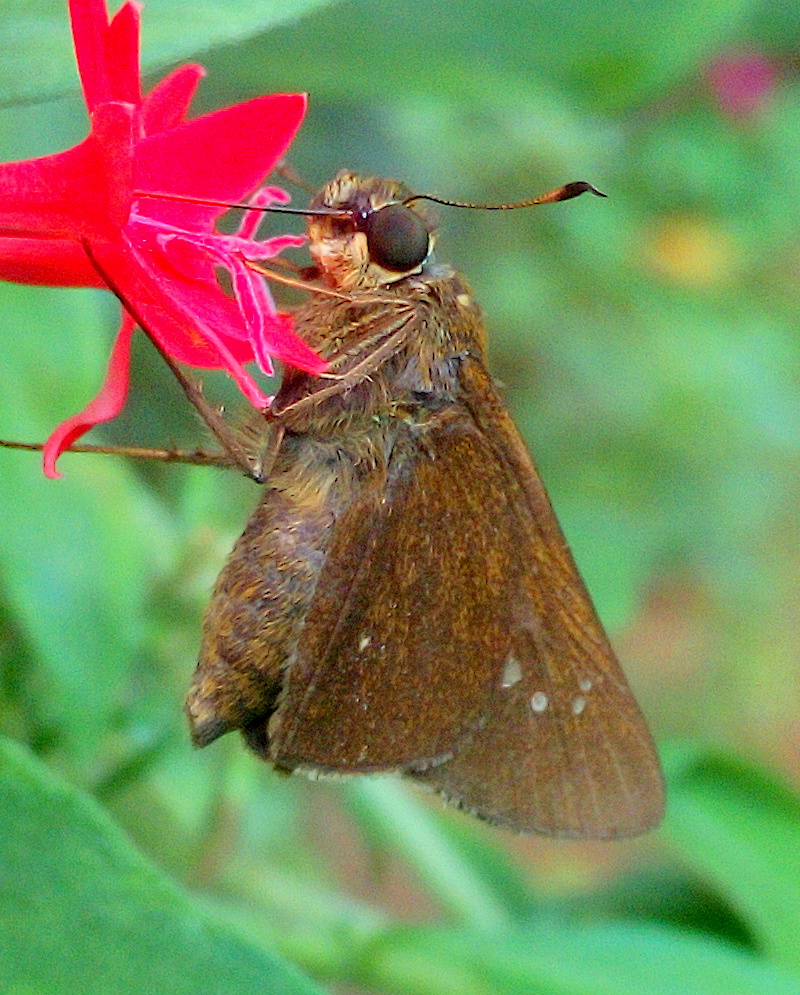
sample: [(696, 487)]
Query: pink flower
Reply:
[(74, 219), (742, 82)]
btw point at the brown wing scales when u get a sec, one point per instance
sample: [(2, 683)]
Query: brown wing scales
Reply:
[(410, 624), (452, 637), (577, 758)]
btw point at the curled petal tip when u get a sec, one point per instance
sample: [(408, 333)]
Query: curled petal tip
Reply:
[(51, 450)]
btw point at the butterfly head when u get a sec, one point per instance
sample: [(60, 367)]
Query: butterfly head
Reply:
[(376, 240)]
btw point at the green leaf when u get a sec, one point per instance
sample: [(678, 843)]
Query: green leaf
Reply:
[(574, 960), (38, 59), (473, 880), (82, 912), (76, 553), (740, 829)]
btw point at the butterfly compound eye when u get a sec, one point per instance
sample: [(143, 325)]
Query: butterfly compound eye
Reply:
[(397, 237)]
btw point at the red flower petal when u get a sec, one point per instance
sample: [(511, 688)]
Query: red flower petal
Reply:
[(48, 262), (122, 54), (175, 317), (180, 160), (108, 403), (196, 257), (168, 102), (89, 21), (113, 127), (84, 192), (271, 334), (51, 196)]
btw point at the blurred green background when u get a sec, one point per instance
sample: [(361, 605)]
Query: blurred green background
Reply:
[(650, 349)]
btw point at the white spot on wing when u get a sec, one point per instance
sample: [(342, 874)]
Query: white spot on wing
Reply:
[(585, 685), (578, 704), (512, 672), (363, 642), (539, 702)]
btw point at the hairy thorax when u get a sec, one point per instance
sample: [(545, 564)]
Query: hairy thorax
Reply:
[(420, 332)]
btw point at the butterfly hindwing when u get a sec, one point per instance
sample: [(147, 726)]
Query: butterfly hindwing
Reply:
[(577, 757)]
